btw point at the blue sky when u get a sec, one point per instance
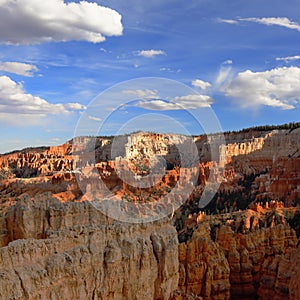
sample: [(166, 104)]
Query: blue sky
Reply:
[(239, 62)]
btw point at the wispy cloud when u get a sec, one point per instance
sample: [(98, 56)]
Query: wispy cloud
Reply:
[(142, 93), (269, 21), (227, 21), (150, 53), (56, 139), (278, 21), (169, 70), (224, 73), (288, 58), (92, 118), (157, 104), (55, 20), (18, 68), (193, 101)]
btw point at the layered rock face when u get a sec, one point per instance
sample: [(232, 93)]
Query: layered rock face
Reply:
[(241, 255), (72, 251), (280, 277), (53, 249), (203, 270), (242, 245), (253, 166), (259, 167), (33, 162), (247, 254)]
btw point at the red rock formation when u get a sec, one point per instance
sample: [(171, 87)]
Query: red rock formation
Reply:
[(280, 277), (203, 268), (55, 250), (247, 253), (248, 242)]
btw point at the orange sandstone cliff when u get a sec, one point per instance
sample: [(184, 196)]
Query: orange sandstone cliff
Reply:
[(243, 244)]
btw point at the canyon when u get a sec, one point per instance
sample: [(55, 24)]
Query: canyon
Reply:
[(208, 217)]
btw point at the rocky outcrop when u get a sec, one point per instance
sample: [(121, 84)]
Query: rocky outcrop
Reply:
[(280, 277), (31, 164), (243, 246), (281, 182), (72, 251), (52, 250), (58, 246), (203, 268), (250, 166), (246, 255)]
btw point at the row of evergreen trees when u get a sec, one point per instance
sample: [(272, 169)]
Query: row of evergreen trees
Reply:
[(291, 126)]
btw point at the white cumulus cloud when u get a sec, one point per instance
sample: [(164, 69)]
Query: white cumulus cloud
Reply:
[(18, 68), (35, 21), (15, 102), (201, 84), (150, 53), (279, 87)]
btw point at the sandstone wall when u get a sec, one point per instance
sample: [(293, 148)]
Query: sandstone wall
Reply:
[(244, 255), (203, 269), (280, 278), (247, 253), (72, 251), (54, 250)]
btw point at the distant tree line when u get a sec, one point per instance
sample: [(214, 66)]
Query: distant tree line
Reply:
[(291, 126), (26, 150)]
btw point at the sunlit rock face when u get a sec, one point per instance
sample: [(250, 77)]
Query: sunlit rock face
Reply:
[(72, 251), (240, 245)]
